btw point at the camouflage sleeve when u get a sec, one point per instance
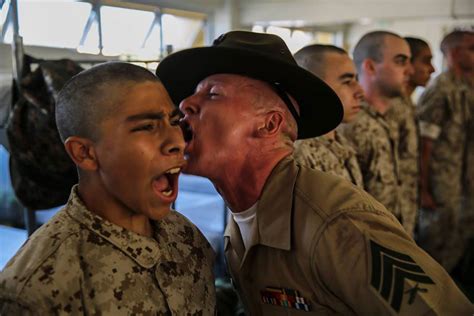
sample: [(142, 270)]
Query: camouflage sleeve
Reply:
[(375, 268), (8, 307), (432, 112), (359, 139)]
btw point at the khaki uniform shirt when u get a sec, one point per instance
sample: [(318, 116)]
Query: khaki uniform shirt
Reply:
[(321, 246), (79, 263), (376, 144), (401, 118), (446, 110), (335, 156)]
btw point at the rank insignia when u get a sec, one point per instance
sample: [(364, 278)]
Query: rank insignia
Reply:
[(284, 297), (390, 269)]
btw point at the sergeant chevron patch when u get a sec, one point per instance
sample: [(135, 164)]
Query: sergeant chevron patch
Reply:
[(390, 269)]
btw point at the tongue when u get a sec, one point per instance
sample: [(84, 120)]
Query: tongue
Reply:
[(161, 184)]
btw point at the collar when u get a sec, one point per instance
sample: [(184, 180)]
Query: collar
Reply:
[(145, 251), (370, 110), (274, 209), (380, 118), (339, 146), (458, 81)]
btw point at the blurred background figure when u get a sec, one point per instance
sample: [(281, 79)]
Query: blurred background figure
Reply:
[(383, 62), (332, 152), (446, 111), (421, 60), (402, 119)]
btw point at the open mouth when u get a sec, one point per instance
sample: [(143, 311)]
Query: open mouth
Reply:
[(166, 185), (187, 131)]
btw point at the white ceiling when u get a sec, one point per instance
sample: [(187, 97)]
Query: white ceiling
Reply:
[(324, 12), (320, 12)]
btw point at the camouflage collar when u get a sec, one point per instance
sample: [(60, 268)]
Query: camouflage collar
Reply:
[(380, 118), (457, 81), (143, 250), (339, 146), (370, 110)]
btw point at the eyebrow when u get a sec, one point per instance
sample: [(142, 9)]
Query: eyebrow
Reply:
[(347, 75), (151, 116), (401, 56)]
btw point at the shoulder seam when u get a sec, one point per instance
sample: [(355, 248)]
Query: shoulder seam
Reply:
[(33, 271)]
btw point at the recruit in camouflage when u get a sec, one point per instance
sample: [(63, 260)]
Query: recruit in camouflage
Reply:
[(335, 156), (401, 117), (79, 263), (446, 111), (375, 144)]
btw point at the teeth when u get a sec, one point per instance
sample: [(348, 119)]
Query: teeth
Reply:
[(174, 170), (167, 193)]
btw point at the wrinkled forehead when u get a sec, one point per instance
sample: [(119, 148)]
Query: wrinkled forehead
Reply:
[(232, 82)]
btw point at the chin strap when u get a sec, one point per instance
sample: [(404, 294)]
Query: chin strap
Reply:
[(282, 94)]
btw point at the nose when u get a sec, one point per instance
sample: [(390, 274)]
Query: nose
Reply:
[(431, 68), (189, 105), (410, 71), (359, 92), (173, 144)]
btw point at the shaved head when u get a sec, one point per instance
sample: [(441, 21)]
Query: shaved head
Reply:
[(90, 95), (416, 46), (371, 46), (453, 40), (312, 57)]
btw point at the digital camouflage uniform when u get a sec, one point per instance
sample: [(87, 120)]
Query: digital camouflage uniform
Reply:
[(401, 117), (446, 111), (335, 156), (79, 263), (375, 143), (322, 246)]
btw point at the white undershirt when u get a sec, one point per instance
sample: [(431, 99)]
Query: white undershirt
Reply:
[(245, 220)]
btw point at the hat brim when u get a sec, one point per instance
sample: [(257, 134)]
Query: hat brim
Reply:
[(320, 108)]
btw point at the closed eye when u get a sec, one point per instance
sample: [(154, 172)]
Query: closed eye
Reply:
[(146, 127)]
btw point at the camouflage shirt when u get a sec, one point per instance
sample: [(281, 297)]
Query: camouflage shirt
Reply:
[(375, 144), (402, 119), (79, 263), (335, 156), (446, 111)]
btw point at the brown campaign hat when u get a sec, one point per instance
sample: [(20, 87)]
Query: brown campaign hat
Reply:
[(261, 56)]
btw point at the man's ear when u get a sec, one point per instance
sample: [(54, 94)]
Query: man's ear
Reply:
[(272, 124), (82, 152), (368, 66)]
